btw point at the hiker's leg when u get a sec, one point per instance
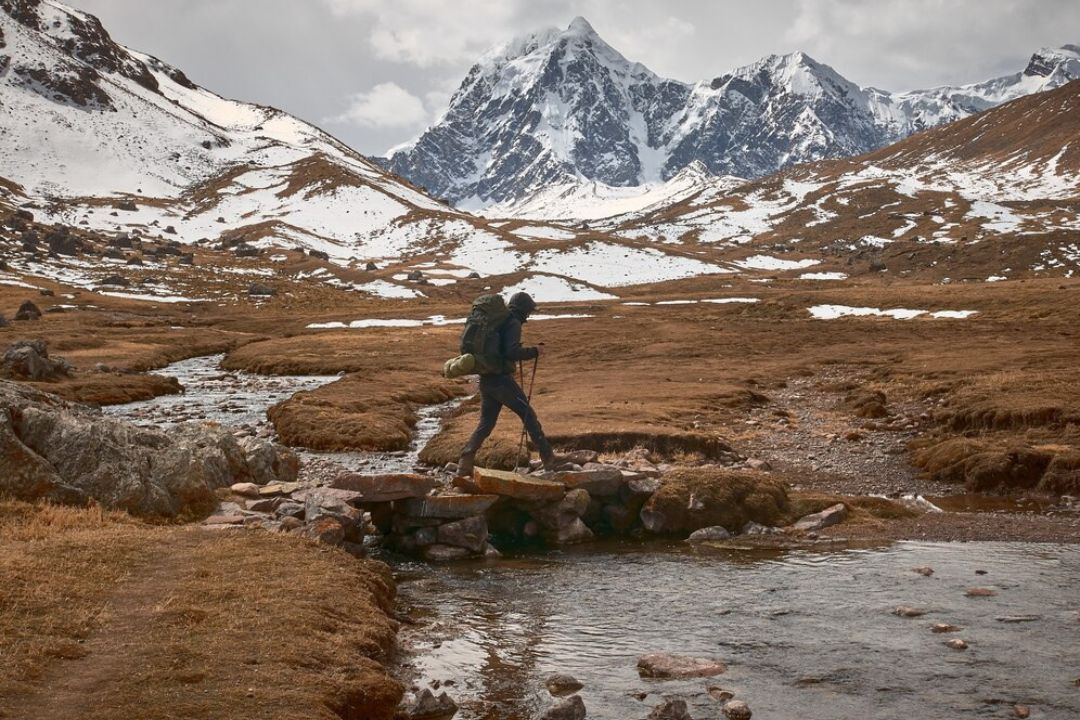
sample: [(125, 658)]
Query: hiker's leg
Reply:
[(490, 406), (512, 396)]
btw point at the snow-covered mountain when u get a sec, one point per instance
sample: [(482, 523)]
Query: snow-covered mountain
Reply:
[(557, 108)]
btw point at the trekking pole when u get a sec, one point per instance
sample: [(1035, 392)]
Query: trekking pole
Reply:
[(528, 403)]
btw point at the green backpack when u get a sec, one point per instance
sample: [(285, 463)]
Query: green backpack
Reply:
[(480, 339)]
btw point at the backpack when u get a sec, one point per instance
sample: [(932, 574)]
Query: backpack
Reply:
[(480, 339)]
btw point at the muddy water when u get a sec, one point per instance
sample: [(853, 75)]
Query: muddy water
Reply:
[(805, 635)]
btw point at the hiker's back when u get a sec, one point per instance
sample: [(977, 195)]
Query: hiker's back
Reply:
[(482, 336)]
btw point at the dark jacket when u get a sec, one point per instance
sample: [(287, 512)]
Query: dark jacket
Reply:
[(510, 344)]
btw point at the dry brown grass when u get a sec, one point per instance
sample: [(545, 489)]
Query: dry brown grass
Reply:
[(119, 617), (692, 498)]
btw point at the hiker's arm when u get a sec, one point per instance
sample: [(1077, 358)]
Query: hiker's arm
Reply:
[(512, 349)]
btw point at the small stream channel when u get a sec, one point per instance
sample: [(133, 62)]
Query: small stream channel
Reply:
[(806, 635)]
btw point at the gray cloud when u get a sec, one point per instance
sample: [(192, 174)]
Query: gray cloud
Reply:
[(374, 72)]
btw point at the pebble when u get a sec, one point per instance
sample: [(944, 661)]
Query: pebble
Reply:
[(980, 592), (737, 710), (562, 684), (1017, 618), (956, 644), (1021, 711), (908, 612), (943, 628), (720, 694), (924, 571)]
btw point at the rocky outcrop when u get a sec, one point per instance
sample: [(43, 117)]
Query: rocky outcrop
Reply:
[(70, 453), (29, 360)]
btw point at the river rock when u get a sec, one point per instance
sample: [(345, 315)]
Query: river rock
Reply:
[(980, 592), (737, 710), (429, 706), (753, 528), (828, 517), (940, 628), (720, 694), (29, 360), (469, 533), (445, 553), (448, 507), (956, 644), (925, 571), (385, 488), (517, 487), (671, 709), (562, 684), (668, 666), (908, 612), (714, 533), (82, 454), (1022, 711), (571, 708)]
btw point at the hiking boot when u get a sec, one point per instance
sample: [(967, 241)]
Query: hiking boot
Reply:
[(550, 461), (465, 464)]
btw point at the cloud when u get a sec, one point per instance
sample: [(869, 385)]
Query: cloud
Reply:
[(387, 105)]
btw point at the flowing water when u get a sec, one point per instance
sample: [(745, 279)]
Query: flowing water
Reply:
[(806, 635)]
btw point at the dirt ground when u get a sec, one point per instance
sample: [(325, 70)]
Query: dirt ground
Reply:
[(104, 617)]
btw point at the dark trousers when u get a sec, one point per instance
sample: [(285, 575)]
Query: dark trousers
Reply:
[(495, 392)]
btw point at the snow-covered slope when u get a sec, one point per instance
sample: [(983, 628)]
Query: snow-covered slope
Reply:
[(564, 109)]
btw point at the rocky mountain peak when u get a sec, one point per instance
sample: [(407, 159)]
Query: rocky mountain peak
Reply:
[(1047, 61)]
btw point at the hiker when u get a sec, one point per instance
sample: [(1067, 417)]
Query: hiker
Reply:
[(498, 387)]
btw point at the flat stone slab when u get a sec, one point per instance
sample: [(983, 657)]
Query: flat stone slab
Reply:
[(449, 507), (328, 494), (667, 666), (386, 488), (820, 520), (518, 487), (598, 482)]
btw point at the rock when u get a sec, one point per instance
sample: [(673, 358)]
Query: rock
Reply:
[(326, 530), (572, 533), (671, 709), (980, 592), (924, 571), (187, 259), (940, 628), (371, 267), (265, 505), (720, 694), (1022, 711), (385, 488), (245, 489), (716, 532), (753, 528), (518, 487), (144, 471), (562, 684), (448, 507), (667, 666), (444, 553), (3, 321), (598, 481), (28, 311), (29, 360), (619, 517), (222, 519), (415, 275), (1013, 619), (491, 552), (428, 706), (116, 280), (828, 517), (758, 464), (737, 710), (289, 523), (908, 612), (469, 533), (261, 290), (571, 708), (956, 644), (581, 457), (268, 462)]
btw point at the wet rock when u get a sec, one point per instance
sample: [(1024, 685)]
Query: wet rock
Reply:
[(671, 709), (562, 684), (572, 533), (371, 267), (753, 528), (941, 628), (515, 486), (29, 360), (908, 612), (1021, 711), (619, 517), (261, 290), (445, 553), (429, 706), (571, 708), (737, 710), (709, 534), (720, 694), (956, 644), (980, 592), (469, 533), (665, 665), (448, 507), (491, 552), (1013, 619), (28, 311), (924, 571), (245, 489), (385, 488), (828, 517), (116, 281)]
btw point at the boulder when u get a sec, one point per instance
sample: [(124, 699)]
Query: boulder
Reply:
[(29, 360), (828, 517), (515, 486), (141, 470), (385, 488), (448, 507), (268, 462), (571, 533), (571, 708), (715, 533), (562, 684), (671, 709), (668, 666), (470, 533), (28, 311)]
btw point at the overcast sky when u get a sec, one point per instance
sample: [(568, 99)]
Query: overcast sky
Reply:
[(375, 73)]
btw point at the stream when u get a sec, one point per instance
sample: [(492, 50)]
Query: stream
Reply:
[(806, 635)]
